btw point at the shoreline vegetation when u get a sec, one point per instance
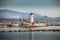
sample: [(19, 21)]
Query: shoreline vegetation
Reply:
[(27, 25), (14, 25)]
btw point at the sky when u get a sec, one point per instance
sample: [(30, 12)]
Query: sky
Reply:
[(49, 8)]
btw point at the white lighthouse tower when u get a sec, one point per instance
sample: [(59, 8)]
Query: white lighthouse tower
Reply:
[(31, 19)]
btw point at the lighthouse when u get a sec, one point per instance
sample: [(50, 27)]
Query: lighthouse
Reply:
[(31, 19)]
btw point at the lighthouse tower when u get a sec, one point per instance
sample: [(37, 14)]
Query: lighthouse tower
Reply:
[(31, 19)]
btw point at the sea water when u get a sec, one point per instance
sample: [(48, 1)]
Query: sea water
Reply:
[(26, 35)]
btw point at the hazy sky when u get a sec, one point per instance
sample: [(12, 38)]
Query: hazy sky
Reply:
[(49, 8)]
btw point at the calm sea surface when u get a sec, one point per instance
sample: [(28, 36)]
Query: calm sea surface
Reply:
[(26, 35)]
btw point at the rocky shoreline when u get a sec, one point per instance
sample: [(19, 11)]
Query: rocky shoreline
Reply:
[(35, 29), (57, 30)]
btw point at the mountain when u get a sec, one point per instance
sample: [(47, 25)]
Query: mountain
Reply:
[(9, 14), (14, 14)]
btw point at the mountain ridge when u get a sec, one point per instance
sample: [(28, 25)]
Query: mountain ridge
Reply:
[(10, 14)]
